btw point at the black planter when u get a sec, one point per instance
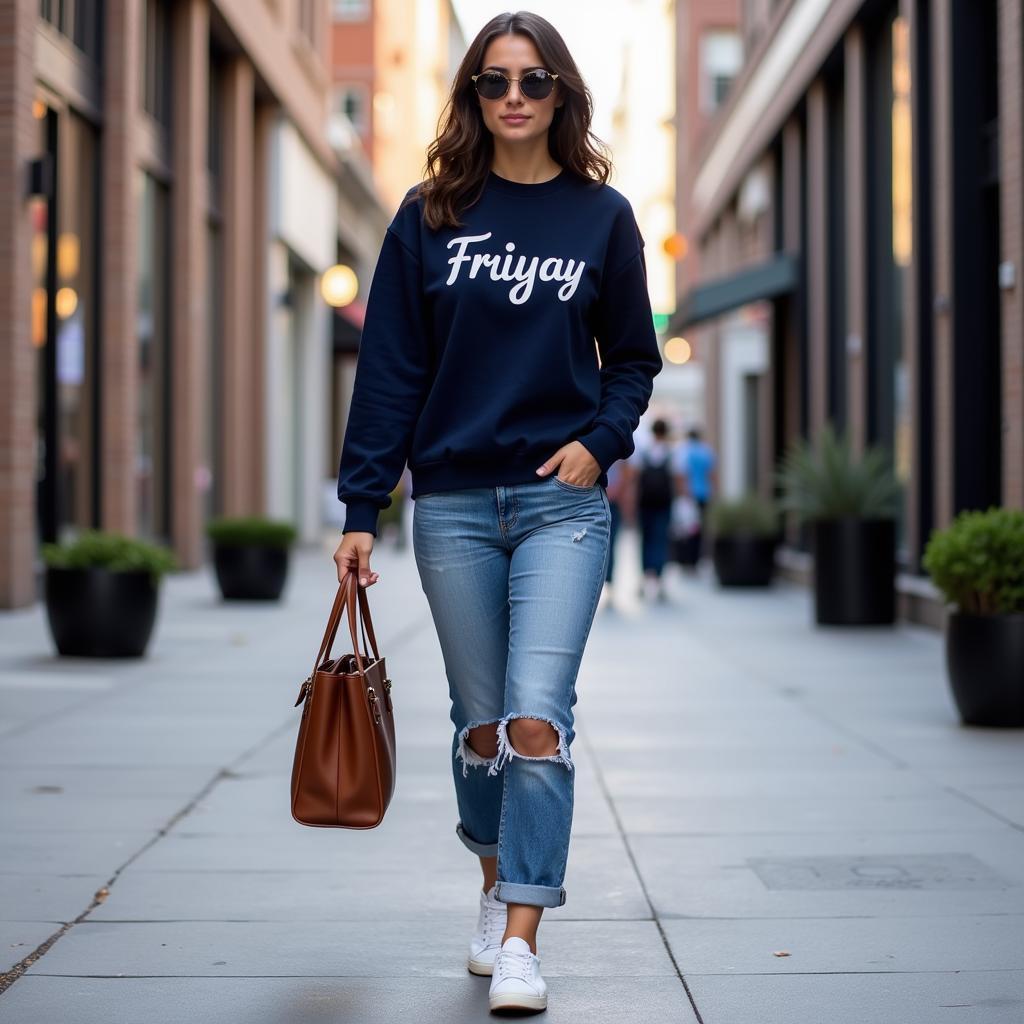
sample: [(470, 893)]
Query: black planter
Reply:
[(96, 613), (744, 560), (250, 572), (854, 572), (985, 660)]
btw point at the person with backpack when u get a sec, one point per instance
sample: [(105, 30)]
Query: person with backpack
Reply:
[(658, 482)]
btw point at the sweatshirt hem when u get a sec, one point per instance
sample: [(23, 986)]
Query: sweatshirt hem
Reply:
[(456, 476)]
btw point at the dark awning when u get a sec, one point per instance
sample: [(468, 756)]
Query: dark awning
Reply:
[(776, 276), (347, 328)]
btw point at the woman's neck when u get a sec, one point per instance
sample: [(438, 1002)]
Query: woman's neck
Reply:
[(529, 168)]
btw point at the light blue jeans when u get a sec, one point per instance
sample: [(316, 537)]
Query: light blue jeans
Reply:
[(513, 575)]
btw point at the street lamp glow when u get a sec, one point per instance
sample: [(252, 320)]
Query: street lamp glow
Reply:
[(339, 285), (678, 351), (66, 302)]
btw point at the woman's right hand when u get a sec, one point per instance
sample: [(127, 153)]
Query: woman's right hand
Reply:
[(353, 553)]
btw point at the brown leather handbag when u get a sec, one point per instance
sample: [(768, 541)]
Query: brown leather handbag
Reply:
[(343, 775)]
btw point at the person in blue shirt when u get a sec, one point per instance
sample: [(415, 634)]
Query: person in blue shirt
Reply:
[(507, 355), (698, 465)]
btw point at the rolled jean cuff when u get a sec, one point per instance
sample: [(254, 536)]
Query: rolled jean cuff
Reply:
[(534, 895), (480, 849)]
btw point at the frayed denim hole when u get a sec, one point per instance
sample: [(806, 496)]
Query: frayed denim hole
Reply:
[(468, 755), (506, 751)]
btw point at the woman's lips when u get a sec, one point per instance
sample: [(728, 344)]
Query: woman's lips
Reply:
[(514, 119)]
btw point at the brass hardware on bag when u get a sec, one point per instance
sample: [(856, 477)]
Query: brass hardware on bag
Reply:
[(373, 704), (304, 689)]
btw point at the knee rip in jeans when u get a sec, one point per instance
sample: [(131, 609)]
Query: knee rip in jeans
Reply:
[(506, 751)]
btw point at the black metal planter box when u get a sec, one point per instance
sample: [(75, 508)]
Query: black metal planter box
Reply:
[(99, 613), (855, 572), (250, 572), (744, 561), (985, 659)]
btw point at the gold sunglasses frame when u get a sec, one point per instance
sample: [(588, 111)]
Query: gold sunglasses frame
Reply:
[(509, 80)]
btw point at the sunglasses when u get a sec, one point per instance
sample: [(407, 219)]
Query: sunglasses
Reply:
[(535, 85)]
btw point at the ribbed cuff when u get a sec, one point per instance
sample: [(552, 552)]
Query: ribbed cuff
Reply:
[(604, 444), (361, 517)]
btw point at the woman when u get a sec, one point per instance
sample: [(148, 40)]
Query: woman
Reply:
[(478, 367)]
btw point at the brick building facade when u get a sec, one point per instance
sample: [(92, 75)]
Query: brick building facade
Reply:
[(168, 200), (858, 212)]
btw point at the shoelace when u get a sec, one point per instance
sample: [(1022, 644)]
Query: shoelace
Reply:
[(514, 965), (493, 926)]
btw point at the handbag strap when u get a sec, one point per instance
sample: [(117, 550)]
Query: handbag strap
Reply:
[(349, 594)]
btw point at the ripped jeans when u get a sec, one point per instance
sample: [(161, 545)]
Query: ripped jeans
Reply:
[(513, 575)]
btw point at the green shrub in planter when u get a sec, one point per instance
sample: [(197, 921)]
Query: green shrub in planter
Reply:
[(251, 530), (750, 516), (250, 556), (978, 564), (745, 536), (101, 593), (851, 504)]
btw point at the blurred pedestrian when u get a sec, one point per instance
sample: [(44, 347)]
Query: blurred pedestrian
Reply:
[(618, 490), (658, 482), (697, 463), (477, 365)]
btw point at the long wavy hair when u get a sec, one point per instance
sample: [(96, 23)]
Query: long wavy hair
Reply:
[(460, 158)]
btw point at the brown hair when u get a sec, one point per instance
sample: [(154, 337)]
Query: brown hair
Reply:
[(459, 159)]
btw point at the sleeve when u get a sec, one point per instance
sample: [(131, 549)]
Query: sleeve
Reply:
[(391, 382), (627, 343)]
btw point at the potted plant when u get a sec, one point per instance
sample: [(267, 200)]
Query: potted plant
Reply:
[(101, 593), (250, 556), (746, 534), (850, 504), (977, 562)]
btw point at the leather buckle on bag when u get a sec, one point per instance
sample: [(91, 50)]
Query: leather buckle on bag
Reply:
[(372, 694)]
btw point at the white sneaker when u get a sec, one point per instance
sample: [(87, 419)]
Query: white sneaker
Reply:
[(490, 927), (516, 983)]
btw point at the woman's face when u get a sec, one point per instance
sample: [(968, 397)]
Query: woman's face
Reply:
[(516, 119)]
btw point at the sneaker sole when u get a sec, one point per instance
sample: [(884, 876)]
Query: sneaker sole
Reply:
[(521, 1002), (480, 967)]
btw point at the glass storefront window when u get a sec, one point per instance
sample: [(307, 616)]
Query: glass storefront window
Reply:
[(64, 307)]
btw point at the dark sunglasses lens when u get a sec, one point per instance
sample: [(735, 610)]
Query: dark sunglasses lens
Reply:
[(491, 85), (537, 85)]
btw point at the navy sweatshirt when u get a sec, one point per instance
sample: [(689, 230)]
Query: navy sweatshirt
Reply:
[(478, 358)]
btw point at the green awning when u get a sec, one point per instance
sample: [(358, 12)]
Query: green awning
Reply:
[(777, 276)]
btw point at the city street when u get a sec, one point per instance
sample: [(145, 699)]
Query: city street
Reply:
[(775, 824)]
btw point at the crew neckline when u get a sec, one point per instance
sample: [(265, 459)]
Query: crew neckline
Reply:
[(522, 188)]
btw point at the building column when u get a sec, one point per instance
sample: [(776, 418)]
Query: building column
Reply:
[(119, 375), (856, 234), (942, 256), (191, 395), (18, 384), (1011, 199), (792, 186), (266, 115), (240, 374), (817, 256)]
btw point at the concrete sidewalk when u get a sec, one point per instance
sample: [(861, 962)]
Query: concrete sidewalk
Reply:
[(747, 786)]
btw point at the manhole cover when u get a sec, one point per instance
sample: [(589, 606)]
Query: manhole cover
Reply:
[(878, 871)]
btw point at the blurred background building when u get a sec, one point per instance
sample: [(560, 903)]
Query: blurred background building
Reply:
[(855, 212), (193, 195)]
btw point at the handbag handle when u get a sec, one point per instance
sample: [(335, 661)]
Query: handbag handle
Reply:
[(349, 593)]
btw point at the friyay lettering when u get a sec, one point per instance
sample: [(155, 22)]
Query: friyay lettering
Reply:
[(526, 271)]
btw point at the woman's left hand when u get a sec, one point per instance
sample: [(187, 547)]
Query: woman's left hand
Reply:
[(574, 464)]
